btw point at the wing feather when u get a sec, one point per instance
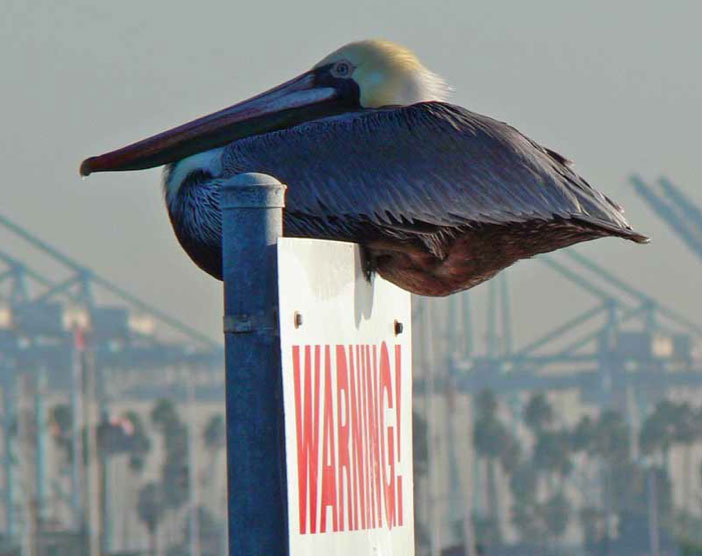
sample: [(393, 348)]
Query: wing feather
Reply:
[(429, 164)]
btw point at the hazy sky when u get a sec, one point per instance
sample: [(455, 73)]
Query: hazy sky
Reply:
[(614, 85)]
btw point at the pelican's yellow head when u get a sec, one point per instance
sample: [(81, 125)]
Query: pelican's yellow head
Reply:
[(386, 73)]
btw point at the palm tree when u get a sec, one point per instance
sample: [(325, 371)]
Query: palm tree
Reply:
[(149, 510), (137, 448), (583, 434), (163, 413), (556, 514), (122, 435), (668, 425), (526, 515), (496, 445), (686, 434), (420, 463), (552, 453), (174, 468), (591, 521), (60, 423), (551, 460), (211, 537), (679, 424), (140, 444), (420, 451), (605, 441), (538, 413), (610, 440), (214, 436), (659, 431)]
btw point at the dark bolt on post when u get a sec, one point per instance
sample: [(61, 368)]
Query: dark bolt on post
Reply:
[(252, 221)]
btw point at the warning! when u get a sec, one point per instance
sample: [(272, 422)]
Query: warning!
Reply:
[(346, 364)]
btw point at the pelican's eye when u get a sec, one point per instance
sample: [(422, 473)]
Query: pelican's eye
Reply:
[(341, 69)]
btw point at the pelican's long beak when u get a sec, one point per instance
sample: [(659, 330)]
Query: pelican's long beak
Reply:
[(293, 102)]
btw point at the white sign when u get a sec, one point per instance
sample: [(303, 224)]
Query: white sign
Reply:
[(347, 386)]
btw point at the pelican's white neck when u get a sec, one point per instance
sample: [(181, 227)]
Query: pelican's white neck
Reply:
[(175, 174)]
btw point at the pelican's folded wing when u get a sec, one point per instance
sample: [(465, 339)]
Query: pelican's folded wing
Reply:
[(425, 166)]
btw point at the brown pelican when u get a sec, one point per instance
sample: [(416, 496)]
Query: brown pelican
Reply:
[(439, 198)]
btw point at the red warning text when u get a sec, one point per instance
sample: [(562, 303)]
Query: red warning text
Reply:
[(348, 405)]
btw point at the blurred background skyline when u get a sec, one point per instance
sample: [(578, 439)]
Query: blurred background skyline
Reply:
[(611, 86)]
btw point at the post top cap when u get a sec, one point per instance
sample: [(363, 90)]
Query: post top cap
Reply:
[(250, 178), (252, 190)]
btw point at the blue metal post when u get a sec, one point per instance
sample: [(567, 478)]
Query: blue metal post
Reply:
[(252, 222)]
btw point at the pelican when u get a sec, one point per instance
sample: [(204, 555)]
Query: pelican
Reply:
[(439, 198)]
